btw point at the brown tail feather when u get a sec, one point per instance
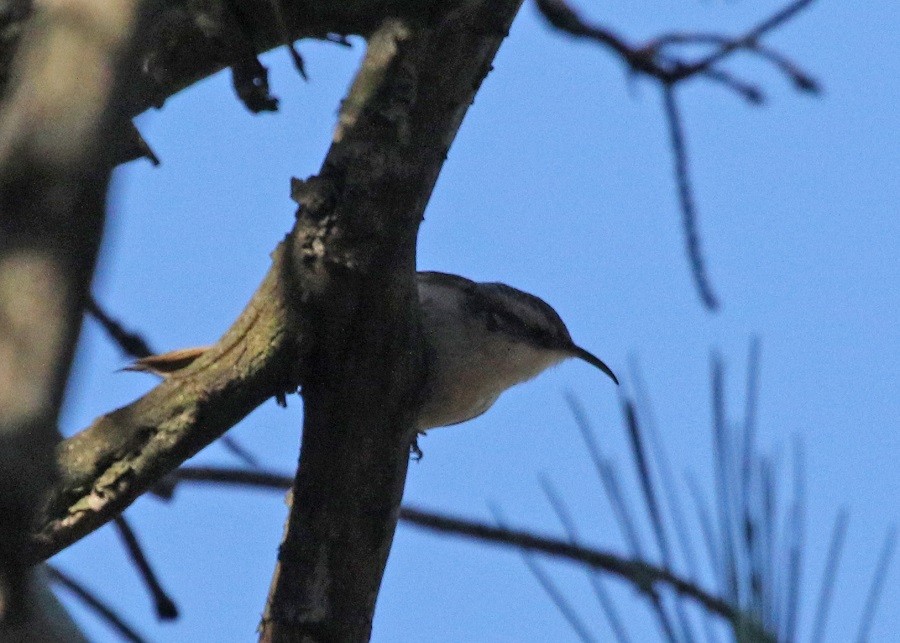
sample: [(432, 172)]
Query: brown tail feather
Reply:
[(165, 364)]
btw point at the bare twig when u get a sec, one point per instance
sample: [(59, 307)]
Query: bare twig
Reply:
[(610, 481), (603, 597), (639, 455), (553, 592), (769, 489), (102, 609), (166, 609), (748, 446), (607, 475), (131, 343), (800, 79), (829, 575), (724, 482), (686, 198), (222, 475), (643, 575), (644, 411), (654, 60), (794, 536), (749, 39), (881, 570), (238, 450)]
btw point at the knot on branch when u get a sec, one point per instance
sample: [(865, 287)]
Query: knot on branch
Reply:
[(315, 196)]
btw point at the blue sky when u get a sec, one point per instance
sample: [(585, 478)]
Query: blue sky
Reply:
[(559, 183)]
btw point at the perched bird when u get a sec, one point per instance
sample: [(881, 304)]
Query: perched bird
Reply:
[(481, 338)]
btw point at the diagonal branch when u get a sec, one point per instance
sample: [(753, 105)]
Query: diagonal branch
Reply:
[(641, 574), (108, 465), (166, 609), (95, 603), (187, 40)]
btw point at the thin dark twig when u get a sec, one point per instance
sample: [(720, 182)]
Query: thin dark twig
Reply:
[(610, 480), (90, 599), (641, 574), (751, 402), (754, 34), (772, 597), (829, 575), (706, 526), (795, 535), (166, 609), (881, 570), (338, 39), (556, 596), (653, 60), (709, 539), (653, 508), (800, 79), (285, 34), (559, 14), (644, 410), (607, 475), (640, 458), (686, 198), (753, 553), (131, 343), (724, 482), (603, 597), (750, 516), (233, 446), (220, 475), (748, 91)]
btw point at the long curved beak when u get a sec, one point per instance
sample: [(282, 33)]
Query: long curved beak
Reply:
[(593, 360)]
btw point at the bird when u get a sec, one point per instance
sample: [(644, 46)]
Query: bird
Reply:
[(481, 339)]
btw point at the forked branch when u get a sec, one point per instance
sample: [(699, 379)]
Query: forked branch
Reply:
[(656, 60)]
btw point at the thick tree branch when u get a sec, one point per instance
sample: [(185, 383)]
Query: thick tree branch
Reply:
[(343, 283), (187, 40), (356, 261), (108, 465)]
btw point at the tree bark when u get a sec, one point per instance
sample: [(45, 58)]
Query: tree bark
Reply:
[(338, 313), (366, 370)]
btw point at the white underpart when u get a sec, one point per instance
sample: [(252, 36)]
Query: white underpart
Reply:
[(471, 366)]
